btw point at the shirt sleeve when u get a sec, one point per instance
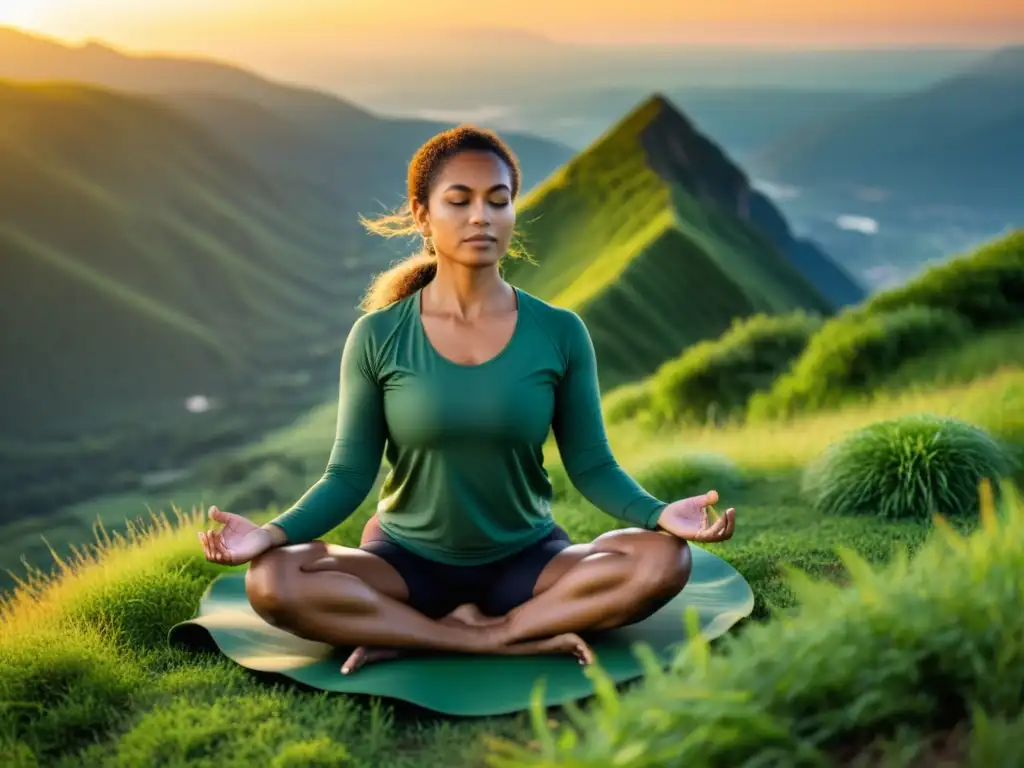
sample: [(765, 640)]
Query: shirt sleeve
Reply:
[(579, 431), (355, 458)]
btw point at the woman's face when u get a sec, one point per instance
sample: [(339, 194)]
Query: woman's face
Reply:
[(470, 215)]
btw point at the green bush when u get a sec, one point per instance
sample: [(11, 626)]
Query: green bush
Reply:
[(853, 351), (986, 287), (714, 380), (627, 402), (908, 651), (907, 468), (680, 477)]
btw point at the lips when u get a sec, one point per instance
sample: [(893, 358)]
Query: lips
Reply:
[(481, 239)]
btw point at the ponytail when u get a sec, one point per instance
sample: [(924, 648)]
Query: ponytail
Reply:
[(409, 275), (402, 280)]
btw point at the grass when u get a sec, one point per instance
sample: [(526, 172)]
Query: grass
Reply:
[(88, 679), (622, 229)]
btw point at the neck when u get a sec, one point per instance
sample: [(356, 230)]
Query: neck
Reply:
[(465, 291)]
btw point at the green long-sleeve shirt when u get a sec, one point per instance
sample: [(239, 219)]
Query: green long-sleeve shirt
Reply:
[(465, 442)]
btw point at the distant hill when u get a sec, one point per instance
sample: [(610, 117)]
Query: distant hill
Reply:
[(288, 130), (198, 194), (144, 261), (742, 120), (658, 240), (960, 142)]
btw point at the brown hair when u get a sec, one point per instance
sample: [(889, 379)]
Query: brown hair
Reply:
[(414, 272)]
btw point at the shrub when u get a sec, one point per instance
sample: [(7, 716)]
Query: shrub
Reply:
[(986, 287), (853, 351), (714, 379), (907, 468), (627, 402), (679, 477), (907, 651)]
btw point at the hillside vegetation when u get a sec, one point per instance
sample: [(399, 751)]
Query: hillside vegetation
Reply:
[(185, 261), (652, 223), (84, 655), (145, 263), (90, 679), (783, 365)]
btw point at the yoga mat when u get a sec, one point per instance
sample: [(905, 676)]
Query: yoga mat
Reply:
[(459, 684)]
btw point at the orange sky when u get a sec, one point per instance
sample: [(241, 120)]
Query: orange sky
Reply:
[(196, 24)]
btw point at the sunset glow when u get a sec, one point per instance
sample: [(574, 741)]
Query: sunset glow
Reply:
[(192, 23)]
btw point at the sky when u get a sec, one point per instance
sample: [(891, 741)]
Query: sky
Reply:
[(222, 25)]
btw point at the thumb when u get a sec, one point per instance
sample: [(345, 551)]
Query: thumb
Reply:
[(704, 499), (218, 514)]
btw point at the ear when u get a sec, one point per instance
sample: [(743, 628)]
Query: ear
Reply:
[(422, 217)]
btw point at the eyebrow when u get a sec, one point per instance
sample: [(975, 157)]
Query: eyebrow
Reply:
[(464, 188)]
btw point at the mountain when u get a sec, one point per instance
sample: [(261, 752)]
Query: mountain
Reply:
[(658, 240), (145, 261), (220, 205), (959, 142), (337, 148)]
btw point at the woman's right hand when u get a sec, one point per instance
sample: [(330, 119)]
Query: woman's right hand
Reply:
[(239, 541)]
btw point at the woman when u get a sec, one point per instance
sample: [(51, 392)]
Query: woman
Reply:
[(457, 377)]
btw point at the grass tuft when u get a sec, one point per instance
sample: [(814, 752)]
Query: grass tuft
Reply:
[(909, 649), (910, 467)]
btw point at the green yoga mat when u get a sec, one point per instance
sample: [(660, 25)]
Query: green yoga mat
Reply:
[(457, 684)]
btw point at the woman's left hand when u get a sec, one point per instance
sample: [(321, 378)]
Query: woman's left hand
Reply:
[(689, 519)]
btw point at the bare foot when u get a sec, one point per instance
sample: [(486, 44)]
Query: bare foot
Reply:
[(364, 655), (465, 615), (491, 644), (568, 642)]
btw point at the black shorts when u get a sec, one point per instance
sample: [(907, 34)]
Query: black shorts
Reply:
[(436, 589)]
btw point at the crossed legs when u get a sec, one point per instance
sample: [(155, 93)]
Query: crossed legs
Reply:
[(350, 597)]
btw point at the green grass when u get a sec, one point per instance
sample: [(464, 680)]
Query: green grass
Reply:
[(88, 679), (627, 230)]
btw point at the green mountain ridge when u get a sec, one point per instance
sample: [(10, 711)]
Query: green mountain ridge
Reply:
[(648, 234)]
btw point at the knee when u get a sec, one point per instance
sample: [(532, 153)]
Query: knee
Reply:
[(269, 583), (661, 563)]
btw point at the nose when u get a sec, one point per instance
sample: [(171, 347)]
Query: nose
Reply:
[(478, 213)]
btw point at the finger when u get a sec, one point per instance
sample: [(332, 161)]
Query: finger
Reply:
[(208, 547), (211, 543), (218, 514), (720, 531), (220, 552), (730, 514), (226, 555), (715, 514), (708, 499), (712, 533)]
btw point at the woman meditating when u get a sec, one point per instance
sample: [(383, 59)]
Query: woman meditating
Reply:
[(457, 377)]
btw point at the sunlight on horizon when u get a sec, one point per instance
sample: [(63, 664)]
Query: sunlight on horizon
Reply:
[(32, 15), (192, 23)]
